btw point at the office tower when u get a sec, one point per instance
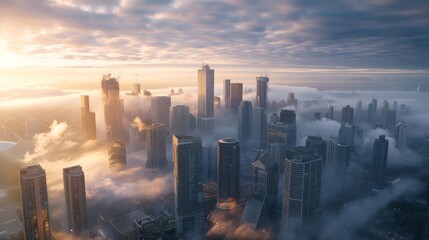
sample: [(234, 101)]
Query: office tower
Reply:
[(370, 116), (374, 109), (216, 102), (384, 113), (330, 112), (168, 224), (227, 93), (228, 177), (278, 154), (262, 92), (395, 105), (291, 101), (347, 115), (145, 229), (117, 156), (210, 162), (265, 179), (88, 119), (244, 121), (75, 195), (317, 116), (358, 112), (353, 180), (35, 206), (160, 110), (205, 120), (401, 136), (391, 120), (188, 187), (113, 108), (236, 96), (379, 162), (156, 147), (330, 152), (318, 145), (180, 123), (301, 193), (341, 161), (135, 140), (282, 133), (347, 134), (274, 118), (287, 116), (259, 127), (136, 89)]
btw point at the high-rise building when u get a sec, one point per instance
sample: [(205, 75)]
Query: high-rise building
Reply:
[(236, 96), (35, 206), (136, 89), (374, 110), (274, 118), (136, 142), (168, 224), (318, 145), (287, 116), (245, 121), (341, 161), (301, 193), (371, 118), (156, 146), (216, 103), (395, 105), (391, 120), (180, 123), (205, 120), (291, 100), (347, 115), (228, 169), (75, 195), (384, 113), (117, 156), (210, 162), (282, 133), (358, 112), (379, 162), (401, 136), (113, 107), (88, 119), (262, 92), (347, 134), (227, 93), (259, 127), (278, 154), (330, 112), (145, 229), (317, 116), (160, 110), (265, 179), (330, 152), (188, 187)]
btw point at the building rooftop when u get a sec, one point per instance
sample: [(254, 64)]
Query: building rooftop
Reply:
[(125, 223), (228, 140)]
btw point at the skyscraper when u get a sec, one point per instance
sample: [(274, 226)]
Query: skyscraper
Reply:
[(117, 156), (210, 162), (371, 118), (160, 110), (259, 127), (180, 123), (227, 93), (330, 112), (401, 136), (301, 193), (347, 115), (379, 162), (156, 146), (291, 101), (136, 89), (75, 195), (262, 92), (358, 112), (287, 116), (265, 179), (236, 96), (318, 145), (88, 119), (228, 169), (145, 229), (205, 120), (330, 152), (35, 206), (341, 161), (188, 187), (391, 120), (384, 113), (283, 133), (113, 107), (347, 134), (244, 121)]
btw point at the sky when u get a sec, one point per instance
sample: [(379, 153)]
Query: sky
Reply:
[(71, 43)]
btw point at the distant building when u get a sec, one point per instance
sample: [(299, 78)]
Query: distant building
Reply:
[(160, 110), (88, 119), (330, 152), (288, 116), (317, 116), (384, 113), (278, 154), (291, 100), (228, 169), (180, 123), (136, 90), (75, 196), (245, 121), (341, 161), (236, 96), (318, 145), (358, 112), (113, 107), (391, 120), (35, 206), (216, 103), (347, 135), (347, 115), (379, 162), (401, 136), (259, 128), (282, 133), (205, 119), (156, 146), (274, 118), (145, 229), (210, 162), (117, 156), (227, 93), (330, 112), (262, 92)]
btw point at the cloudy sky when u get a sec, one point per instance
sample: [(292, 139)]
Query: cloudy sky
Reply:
[(159, 41)]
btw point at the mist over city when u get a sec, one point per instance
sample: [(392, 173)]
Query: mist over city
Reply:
[(214, 119)]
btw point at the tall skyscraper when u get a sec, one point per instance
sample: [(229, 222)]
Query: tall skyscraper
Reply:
[(391, 120), (75, 195), (278, 154), (180, 123), (136, 89), (371, 118), (88, 119), (330, 112), (347, 134), (347, 115), (318, 145), (287, 116), (117, 156), (358, 112), (113, 107), (330, 152), (341, 161), (374, 110), (188, 187), (262, 92), (384, 113), (205, 120), (227, 93), (244, 121), (301, 193), (282, 133), (259, 127), (228, 169), (379, 162), (160, 110), (291, 100), (216, 103), (156, 146), (401, 136), (35, 206), (265, 179), (236, 96), (210, 162)]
